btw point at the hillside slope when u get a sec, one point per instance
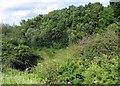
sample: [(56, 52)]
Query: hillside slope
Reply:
[(93, 62), (77, 45)]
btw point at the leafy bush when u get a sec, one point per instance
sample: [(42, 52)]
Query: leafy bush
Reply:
[(101, 70), (105, 43), (20, 57)]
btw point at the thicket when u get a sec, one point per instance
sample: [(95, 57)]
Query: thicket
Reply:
[(57, 29), (96, 62)]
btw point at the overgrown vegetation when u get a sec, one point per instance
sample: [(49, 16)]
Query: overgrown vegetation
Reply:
[(76, 45)]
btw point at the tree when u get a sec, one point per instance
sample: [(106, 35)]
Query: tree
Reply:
[(116, 7)]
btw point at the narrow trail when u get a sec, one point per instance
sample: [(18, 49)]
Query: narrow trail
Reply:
[(45, 55), (60, 56), (66, 53)]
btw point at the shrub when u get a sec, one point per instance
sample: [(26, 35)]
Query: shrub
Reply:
[(20, 57), (105, 43)]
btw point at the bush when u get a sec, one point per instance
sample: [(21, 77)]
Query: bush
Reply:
[(102, 70), (20, 57), (105, 43)]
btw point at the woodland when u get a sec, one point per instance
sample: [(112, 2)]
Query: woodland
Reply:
[(74, 45)]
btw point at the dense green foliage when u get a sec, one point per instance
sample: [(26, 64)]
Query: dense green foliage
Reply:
[(76, 68), (14, 53), (60, 28), (116, 8), (97, 65), (92, 28)]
